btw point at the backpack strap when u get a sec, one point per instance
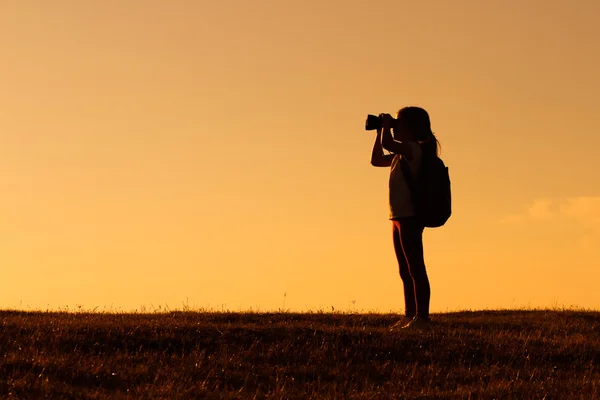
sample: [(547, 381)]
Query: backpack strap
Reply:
[(410, 182), (407, 174)]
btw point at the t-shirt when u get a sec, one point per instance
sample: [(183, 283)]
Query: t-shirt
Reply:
[(399, 198)]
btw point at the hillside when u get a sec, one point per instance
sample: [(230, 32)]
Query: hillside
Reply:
[(487, 354)]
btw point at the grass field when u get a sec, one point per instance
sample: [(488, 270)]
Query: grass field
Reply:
[(466, 355)]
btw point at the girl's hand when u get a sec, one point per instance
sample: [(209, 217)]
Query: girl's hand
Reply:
[(386, 121)]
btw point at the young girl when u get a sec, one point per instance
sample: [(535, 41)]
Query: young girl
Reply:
[(412, 140)]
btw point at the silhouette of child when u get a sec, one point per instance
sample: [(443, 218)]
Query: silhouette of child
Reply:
[(412, 138)]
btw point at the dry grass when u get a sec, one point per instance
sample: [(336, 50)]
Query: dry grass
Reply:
[(488, 354)]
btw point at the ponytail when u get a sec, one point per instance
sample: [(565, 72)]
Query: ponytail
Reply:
[(430, 145)]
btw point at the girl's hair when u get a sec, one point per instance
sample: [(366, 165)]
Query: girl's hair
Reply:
[(416, 120)]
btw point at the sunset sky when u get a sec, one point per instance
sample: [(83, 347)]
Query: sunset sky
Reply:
[(213, 153)]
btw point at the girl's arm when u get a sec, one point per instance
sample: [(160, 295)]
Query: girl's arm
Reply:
[(388, 142), (378, 159)]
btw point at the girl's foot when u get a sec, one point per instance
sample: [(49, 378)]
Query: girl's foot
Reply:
[(418, 323), (401, 323)]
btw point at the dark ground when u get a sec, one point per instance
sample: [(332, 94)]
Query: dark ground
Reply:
[(486, 354)]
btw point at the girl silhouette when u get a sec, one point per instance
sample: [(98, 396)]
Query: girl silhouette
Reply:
[(411, 141)]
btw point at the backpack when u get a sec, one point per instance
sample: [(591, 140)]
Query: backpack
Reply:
[(430, 194)]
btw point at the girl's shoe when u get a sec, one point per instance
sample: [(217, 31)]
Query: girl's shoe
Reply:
[(401, 323), (418, 323)]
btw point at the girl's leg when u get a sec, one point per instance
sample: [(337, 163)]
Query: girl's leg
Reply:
[(411, 240), (410, 306)]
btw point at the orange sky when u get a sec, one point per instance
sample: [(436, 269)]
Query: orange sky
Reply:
[(214, 152)]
